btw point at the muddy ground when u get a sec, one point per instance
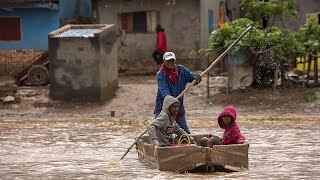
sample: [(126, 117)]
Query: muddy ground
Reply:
[(135, 99)]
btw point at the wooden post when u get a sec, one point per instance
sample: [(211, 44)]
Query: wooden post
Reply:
[(304, 71), (228, 65), (276, 72), (309, 68), (315, 69), (208, 77)]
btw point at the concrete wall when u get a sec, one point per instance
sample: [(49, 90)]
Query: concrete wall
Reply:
[(205, 6), (181, 22), (289, 22), (84, 69), (75, 12), (233, 9), (11, 60), (303, 7), (36, 23), (35, 26), (75, 8)]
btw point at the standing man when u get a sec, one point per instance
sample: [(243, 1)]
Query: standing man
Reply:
[(161, 45), (172, 79)]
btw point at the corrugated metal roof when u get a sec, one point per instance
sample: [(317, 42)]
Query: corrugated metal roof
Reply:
[(84, 33), (13, 4), (24, 1)]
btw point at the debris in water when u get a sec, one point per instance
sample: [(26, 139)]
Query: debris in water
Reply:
[(113, 163)]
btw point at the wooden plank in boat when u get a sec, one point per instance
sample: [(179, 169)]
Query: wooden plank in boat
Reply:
[(179, 157), (235, 155)]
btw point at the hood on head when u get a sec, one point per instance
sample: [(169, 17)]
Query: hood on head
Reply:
[(167, 102), (229, 110), (159, 28)]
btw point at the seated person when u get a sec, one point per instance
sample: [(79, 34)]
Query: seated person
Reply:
[(162, 129), (227, 121), (231, 134)]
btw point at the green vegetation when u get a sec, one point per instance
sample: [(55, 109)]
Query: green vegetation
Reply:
[(308, 36), (271, 42), (267, 43)]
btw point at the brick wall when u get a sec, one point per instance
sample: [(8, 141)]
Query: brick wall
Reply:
[(11, 60)]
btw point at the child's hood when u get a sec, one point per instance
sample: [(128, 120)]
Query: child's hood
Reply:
[(167, 102), (163, 119), (229, 110)]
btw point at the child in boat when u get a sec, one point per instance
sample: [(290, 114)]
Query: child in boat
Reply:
[(231, 135), (227, 121), (162, 129)]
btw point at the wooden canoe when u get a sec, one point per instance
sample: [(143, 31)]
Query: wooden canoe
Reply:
[(188, 158)]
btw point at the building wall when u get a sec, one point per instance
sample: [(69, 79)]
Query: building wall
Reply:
[(35, 26), (84, 69), (289, 22), (181, 22), (13, 59), (75, 12), (73, 8), (303, 7), (207, 5), (233, 9)]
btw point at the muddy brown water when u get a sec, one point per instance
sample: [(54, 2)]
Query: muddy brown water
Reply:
[(91, 149)]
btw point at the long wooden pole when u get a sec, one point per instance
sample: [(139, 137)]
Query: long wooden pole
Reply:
[(194, 81), (133, 144), (217, 60)]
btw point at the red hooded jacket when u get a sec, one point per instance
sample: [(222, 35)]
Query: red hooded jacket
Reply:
[(161, 42), (232, 134)]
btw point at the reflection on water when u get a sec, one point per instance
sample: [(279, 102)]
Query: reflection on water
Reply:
[(91, 149)]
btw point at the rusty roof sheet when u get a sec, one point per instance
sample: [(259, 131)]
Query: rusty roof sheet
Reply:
[(83, 33)]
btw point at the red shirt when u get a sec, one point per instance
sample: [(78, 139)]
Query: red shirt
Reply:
[(161, 42), (232, 134)]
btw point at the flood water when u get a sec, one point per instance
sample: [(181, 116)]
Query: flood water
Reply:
[(91, 149)]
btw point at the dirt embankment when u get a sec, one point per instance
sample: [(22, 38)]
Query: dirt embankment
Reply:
[(135, 99)]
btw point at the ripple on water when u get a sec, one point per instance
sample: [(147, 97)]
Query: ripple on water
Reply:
[(70, 150)]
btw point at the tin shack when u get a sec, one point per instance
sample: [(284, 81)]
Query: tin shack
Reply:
[(83, 62)]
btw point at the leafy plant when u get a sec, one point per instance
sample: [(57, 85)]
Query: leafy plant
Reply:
[(267, 47), (308, 35), (276, 42)]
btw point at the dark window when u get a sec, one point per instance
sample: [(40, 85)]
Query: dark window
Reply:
[(138, 22), (10, 29), (210, 21)]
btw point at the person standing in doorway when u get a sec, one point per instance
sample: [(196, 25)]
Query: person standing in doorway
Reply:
[(161, 45), (172, 79)]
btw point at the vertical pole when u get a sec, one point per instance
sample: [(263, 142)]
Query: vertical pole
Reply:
[(276, 72), (304, 71), (228, 65), (315, 65), (309, 60), (208, 78)]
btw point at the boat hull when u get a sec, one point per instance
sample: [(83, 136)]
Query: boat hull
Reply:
[(185, 158)]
